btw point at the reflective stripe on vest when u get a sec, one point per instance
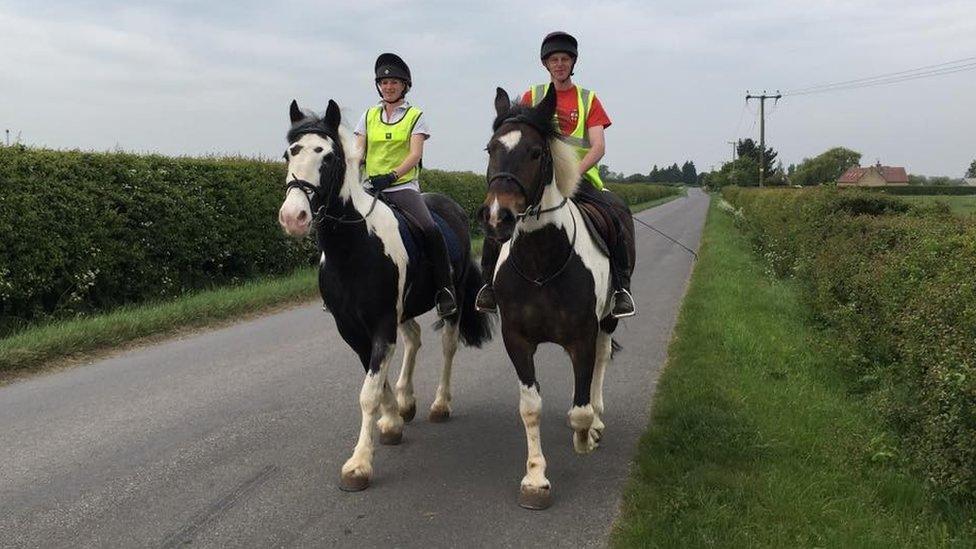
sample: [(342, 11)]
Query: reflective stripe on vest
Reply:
[(579, 139), (388, 144)]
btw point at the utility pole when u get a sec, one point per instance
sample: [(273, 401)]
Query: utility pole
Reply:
[(762, 129), (733, 149)]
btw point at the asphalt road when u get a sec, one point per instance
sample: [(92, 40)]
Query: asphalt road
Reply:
[(235, 437)]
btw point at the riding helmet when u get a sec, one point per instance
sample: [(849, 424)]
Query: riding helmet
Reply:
[(558, 41), (389, 65)]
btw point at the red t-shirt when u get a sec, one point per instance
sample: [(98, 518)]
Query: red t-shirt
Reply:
[(567, 110)]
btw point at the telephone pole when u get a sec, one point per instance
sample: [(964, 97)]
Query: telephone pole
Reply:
[(762, 129), (733, 149)]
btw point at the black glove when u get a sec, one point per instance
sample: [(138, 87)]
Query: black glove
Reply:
[(380, 182)]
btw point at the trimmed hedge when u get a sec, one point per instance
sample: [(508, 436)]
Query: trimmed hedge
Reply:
[(82, 232), (895, 280), (927, 190), (638, 193)]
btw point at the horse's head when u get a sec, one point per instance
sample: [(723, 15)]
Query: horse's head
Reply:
[(524, 156), (316, 167)]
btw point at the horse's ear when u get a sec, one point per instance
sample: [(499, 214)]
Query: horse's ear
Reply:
[(332, 115), (502, 103), (295, 113), (547, 107)]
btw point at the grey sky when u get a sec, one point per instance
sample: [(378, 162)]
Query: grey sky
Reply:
[(189, 78)]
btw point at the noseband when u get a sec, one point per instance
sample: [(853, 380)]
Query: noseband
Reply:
[(321, 213)]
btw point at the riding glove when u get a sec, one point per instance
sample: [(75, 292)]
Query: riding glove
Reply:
[(381, 182)]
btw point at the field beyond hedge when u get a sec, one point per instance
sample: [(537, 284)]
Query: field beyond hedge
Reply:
[(896, 281), (84, 232)]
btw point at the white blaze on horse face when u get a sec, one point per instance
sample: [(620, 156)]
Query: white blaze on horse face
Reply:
[(304, 161), (493, 212), (511, 139)]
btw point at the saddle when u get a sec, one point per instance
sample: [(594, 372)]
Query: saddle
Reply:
[(413, 236), (600, 222)]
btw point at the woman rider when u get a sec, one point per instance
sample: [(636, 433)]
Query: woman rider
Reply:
[(392, 134), (582, 121)]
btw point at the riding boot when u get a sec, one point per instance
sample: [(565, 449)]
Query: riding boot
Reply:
[(445, 301), (485, 300), (623, 301)]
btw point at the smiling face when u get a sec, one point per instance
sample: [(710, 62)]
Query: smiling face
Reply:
[(559, 65), (391, 89)]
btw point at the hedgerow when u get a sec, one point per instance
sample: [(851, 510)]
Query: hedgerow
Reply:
[(82, 232), (896, 281)]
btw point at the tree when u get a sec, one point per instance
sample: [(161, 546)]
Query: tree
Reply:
[(689, 175), (749, 149), (826, 167), (743, 171), (971, 172)]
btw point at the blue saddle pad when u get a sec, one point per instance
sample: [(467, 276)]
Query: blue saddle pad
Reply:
[(415, 247)]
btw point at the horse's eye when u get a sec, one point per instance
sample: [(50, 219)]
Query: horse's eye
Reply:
[(318, 149), (536, 152)]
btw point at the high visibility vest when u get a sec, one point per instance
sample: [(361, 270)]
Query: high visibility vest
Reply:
[(388, 144), (579, 139)]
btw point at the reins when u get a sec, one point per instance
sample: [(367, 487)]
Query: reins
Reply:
[(321, 213)]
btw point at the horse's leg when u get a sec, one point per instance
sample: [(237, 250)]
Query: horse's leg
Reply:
[(535, 491), (358, 469), (410, 331), (583, 353), (440, 410), (603, 350)]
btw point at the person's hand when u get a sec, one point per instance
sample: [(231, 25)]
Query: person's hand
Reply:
[(380, 182)]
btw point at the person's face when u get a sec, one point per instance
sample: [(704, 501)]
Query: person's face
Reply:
[(559, 65), (392, 88)]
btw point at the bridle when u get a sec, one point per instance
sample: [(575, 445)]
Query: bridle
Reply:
[(534, 207), (314, 193)]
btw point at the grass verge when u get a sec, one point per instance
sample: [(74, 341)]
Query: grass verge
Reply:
[(756, 437), (963, 206), (61, 342), (650, 204), (64, 340)]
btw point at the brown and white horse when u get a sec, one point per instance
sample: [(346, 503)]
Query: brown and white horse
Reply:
[(551, 281), (369, 282)]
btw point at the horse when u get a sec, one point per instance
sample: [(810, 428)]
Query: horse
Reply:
[(370, 280), (552, 281)]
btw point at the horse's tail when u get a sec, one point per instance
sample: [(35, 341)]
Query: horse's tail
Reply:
[(475, 327)]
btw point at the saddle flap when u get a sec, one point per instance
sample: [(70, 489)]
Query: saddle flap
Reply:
[(599, 224)]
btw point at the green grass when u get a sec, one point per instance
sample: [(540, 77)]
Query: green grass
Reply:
[(756, 438), (650, 204), (34, 347), (960, 205), (37, 347)]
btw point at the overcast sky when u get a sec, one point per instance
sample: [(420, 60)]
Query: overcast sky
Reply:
[(192, 77)]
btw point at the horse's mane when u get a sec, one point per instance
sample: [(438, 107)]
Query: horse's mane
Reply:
[(564, 160)]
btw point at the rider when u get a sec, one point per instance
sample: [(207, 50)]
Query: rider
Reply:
[(582, 121), (392, 134)]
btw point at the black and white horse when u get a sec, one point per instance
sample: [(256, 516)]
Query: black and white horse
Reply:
[(551, 281), (368, 279)]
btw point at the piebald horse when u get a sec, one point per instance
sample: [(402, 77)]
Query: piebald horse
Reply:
[(552, 282), (368, 279)]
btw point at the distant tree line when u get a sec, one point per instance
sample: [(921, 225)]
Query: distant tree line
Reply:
[(687, 174)]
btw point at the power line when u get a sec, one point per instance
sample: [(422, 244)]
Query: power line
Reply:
[(951, 67)]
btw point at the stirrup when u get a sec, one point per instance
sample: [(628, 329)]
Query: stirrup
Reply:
[(445, 309), (623, 304), (485, 302)]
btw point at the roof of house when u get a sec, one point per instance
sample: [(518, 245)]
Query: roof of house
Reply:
[(891, 174)]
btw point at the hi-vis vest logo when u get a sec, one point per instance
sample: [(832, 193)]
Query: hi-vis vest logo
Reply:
[(389, 136)]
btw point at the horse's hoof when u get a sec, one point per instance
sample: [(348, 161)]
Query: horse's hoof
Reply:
[(596, 434), (408, 413), (534, 498), (391, 439), (353, 483), (439, 416)]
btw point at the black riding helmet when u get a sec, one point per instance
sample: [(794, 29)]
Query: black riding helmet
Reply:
[(389, 65), (558, 41)]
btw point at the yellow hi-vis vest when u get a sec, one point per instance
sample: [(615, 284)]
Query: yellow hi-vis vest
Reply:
[(579, 139), (388, 144)]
